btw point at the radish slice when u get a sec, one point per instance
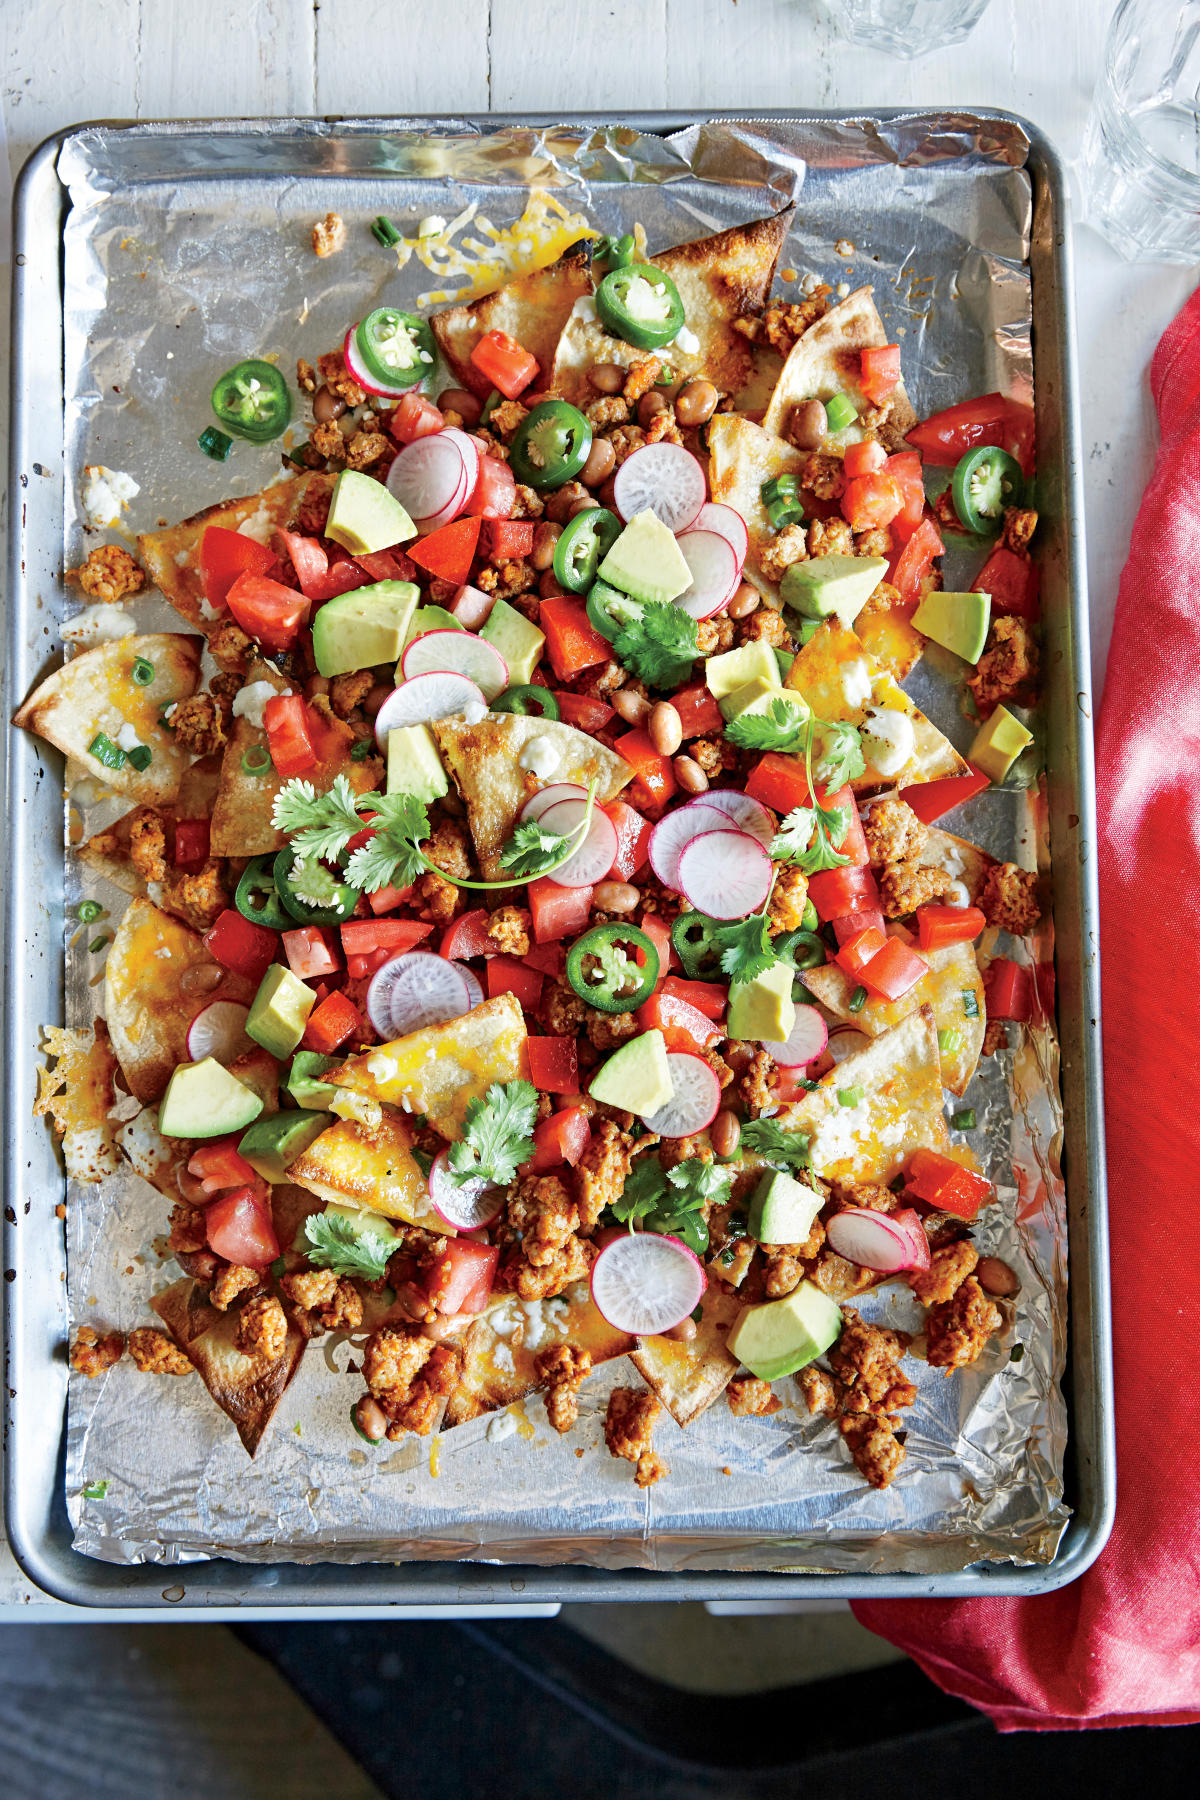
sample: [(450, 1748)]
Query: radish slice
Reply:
[(428, 476), (714, 566), (714, 516), (645, 1284), (806, 1040), (695, 1102), (664, 477), (432, 696), (457, 653), (474, 985), (675, 831), (726, 874), (219, 1030), (539, 804), (466, 1205), (358, 371), (415, 988), (454, 507), (597, 851), (874, 1240), (846, 1041), (747, 814)]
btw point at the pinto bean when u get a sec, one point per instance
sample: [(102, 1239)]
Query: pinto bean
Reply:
[(615, 897), (725, 1133), (665, 728), (690, 775)]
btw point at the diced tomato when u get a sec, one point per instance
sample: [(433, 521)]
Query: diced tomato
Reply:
[(906, 467), (508, 975), (308, 559), (240, 945), (854, 843), (572, 643), (654, 772), (467, 937), (361, 968), (938, 925), (415, 417), (893, 970), (239, 1228), (505, 363), (460, 1279), (553, 1064), (788, 1084), (659, 933), (342, 577), (856, 952), (217, 1165), (633, 838), (386, 565), (683, 1026), (989, 419), (224, 555), (191, 844), (508, 538), (930, 799), (779, 782), (850, 924), (285, 718), (361, 936), (267, 610), (557, 912), (562, 1138), (912, 567), (387, 899), (698, 711), (311, 952), (880, 372), (872, 501), (449, 553), (583, 712), (1012, 581), (708, 997), (1009, 989), (495, 492), (547, 959), (946, 1184), (330, 1024), (835, 892), (864, 458)]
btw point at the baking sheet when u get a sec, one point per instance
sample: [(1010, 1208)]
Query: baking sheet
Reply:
[(165, 285)]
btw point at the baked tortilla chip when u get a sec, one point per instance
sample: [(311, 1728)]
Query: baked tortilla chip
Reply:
[(77, 1094), (485, 760), (720, 278), (900, 1075), (840, 680), (953, 973), (533, 309), (107, 854), (497, 1372), (826, 361), (159, 1159), (172, 556), (688, 1377), (960, 858), (372, 1167), (741, 456), (887, 634), (439, 1069), (246, 1388), (95, 692), (147, 1002)]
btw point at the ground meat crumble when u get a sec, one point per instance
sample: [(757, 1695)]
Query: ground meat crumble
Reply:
[(562, 1369), (262, 1328), (409, 1376), (92, 1355), (957, 1329), (751, 1398), (628, 1426), (155, 1354), (1008, 899), (108, 575)]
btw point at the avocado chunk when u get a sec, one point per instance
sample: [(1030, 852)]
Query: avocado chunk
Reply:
[(636, 1077), (304, 1082), (519, 642), (646, 562), (832, 584), (998, 743), (413, 764), (274, 1142), (763, 1008), (756, 696), (360, 1220), (750, 662), (364, 516), (429, 618), (279, 1011), (782, 1336), (959, 622), (364, 627), (203, 1100), (782, 1209)]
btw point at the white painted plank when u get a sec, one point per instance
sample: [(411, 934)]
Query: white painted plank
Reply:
[(419, 56), (566, 57), (91, 75), (225, 58)]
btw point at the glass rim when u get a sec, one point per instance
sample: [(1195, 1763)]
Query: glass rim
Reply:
[(1175, 173)]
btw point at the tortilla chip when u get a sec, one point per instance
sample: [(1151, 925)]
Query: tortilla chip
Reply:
[(688, 1377), (826, 361), (497, 1372), (374, 1168), (485, 761), (741, 456), (241, 817), (719, 278), (172, 556), (107, 853), (96, 692), (439, 1069), (76, 1096), (959, 857), (900, 1075), (533, 309), (887, 634), (953, 972), (246, 1388), (145, 1001), (831, 671)]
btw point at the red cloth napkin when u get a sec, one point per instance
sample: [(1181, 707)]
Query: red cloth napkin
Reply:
[(1121, 1646)]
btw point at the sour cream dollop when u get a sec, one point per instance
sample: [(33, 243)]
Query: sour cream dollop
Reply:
[(888, 739)]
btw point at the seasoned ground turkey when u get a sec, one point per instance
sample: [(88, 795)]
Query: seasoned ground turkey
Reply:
[(602, 1170), (995, 1037), (365, 448), (754, 1085), (765, 626), (333, 373), (787, 547), (957, 1329), (751, 1398), (262, 1328), (1007, 672), (310, 1288), (447, 848), (92, 1354), (628, 1426), (714, 635), (199, 724), (349, 691), (562, 1370), (948, 1269), (409, 1376), (187, 1231), (830, 537), (148, 844), (714, 755), (877, 542), (893, 832), (783, 321), (1020, 523), (541, 1209), (643, 373), (508, 928), (155, 1354), (874, 1446), (504, 419), (329, 235), (508, 578), (567, 1265), (904, 886), (231, 647), (609, 409), (872, 1194), (866, 1360), (824, 475), (1008, 899), (233, 1279), (108, 574), (562, 1010), (607, 1031), (788, 898), (200, 899), (663, 429)]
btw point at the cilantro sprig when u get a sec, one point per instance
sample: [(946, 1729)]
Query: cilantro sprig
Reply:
[(811, 834), (779, 726), (658, 645), (839, 753), (672, 1202), (334, 1244), (497, 1134), (788, 1149)]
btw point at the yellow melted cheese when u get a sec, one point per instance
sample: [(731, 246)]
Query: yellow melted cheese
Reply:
[(491, 256)]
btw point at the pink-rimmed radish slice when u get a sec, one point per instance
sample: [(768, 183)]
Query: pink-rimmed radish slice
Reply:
[(806, 1040), (466, 1205), (647, 1284), (715, 516), (358, 371), (457, 653), (726, 874), (675, 831), (426, 697), (845, 1040), (428, 477), (474, 985), (747, 814), (454, 507), (695, 1102), (888, 1242), (414, 989), (665, 478), (716, 571), (539, 804), (597, 850), (219, 1029)]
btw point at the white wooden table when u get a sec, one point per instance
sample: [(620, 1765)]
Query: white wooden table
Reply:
[(62, 61)]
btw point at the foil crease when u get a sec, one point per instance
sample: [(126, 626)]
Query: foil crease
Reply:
[(169, 277)]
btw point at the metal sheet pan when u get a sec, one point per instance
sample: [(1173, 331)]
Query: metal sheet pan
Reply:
[(36, 1323)]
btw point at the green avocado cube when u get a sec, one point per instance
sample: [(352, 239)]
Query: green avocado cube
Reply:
[(958, 622), (754, 661), (782, 1209), (756, 696), (364, 516), (763, 1008), (279, 1011), (519, 642), (998, 743), (364, 627), (825, 585), (203, 1100), (636, 1078), (413, 764), (304, 1084), (646, 562), (272, 1143), (783, 1335)]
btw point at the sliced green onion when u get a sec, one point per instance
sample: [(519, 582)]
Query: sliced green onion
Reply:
[(809, 628), (95, 1490), (296, 457), (215, 443), (98, 943), (970, 1000), (1016, 1353), (384, 232), (964, 1120), (279, 1266), (361, 749), (840, 412), (164, 714), (142, 671), (256, 760), (490, 404), (666, 378), (857, 1000), (87, 911), (141, 756), (949, 1042), (106, 752), (849, 1096)]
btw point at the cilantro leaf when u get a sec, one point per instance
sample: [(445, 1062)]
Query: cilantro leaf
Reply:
[(334, 1244), (772, 1142), (531, 849), (673, 1204), (319, 825), (645, 1186), (780, 726), (745, 947), (839, 753), (696, 1182), (497, 1133), (795, 834), (659, 646), (391, 857)]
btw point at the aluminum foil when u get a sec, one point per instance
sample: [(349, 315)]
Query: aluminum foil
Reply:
[(203, 257)]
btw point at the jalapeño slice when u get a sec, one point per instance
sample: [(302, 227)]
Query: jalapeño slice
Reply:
[(985, 481), (640, 304), (695, 945), (397, 347), (529, 700), (257, 898), (585, 541), (608, 609), (551, 445), (602, 970), (252, 401), (342, 899), (610, 253)]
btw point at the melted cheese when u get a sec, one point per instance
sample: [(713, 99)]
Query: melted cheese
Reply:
[(484, 262)]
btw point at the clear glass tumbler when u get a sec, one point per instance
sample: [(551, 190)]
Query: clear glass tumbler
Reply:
[(907, 27), (1141, 154)]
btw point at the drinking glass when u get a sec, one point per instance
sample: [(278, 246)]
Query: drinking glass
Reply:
[(1141, 154), (907, 27)]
